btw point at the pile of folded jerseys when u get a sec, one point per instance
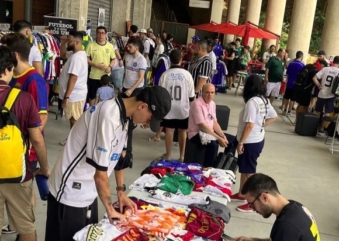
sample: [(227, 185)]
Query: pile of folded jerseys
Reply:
[(173, 181), (152, 222)]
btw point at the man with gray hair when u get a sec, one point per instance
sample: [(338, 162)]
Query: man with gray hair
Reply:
[(201, 68)]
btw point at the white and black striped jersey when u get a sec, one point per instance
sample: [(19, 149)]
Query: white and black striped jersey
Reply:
[(94, 143), (201, 67)]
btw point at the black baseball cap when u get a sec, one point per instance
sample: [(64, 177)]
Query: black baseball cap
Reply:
[(159, 101)]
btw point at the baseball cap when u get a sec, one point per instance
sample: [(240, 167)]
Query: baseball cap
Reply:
[(321, 52), (143, 31), (150, 30), (159, 101), (196, 38)]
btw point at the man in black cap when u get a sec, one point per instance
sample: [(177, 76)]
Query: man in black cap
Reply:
[(93, 150)]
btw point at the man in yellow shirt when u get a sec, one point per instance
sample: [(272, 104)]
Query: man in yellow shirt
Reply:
[(101, 58)]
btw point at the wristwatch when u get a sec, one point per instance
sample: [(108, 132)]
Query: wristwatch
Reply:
[(121, 188)]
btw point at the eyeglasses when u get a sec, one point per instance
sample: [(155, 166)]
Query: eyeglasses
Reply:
[(251, 205)]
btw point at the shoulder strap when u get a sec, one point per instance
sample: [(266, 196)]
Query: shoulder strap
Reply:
[(11, 98)]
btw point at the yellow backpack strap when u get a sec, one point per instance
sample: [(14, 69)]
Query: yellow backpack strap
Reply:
[(11, 98)]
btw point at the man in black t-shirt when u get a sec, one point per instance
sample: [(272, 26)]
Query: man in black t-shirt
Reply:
[(294, 222), (303, 98)]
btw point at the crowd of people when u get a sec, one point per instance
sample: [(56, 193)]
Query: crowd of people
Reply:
[(100, 139)]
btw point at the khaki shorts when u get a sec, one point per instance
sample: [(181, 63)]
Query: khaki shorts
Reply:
[(74, 109), (20, 203)]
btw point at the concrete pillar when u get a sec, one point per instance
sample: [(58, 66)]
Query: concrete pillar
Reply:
[(330, 31), (142, 13), (274, 19), (120, 14), (217, 9), (233, 16), (253, 9), (77, 9), (299, 27)]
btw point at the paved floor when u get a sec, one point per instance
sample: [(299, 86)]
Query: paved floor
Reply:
[(303, 167)]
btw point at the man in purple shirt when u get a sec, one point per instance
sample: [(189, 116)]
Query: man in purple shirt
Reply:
[(202, 118), (293, 69)]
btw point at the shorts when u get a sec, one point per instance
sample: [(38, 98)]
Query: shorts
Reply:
[(273, 89), (303, 98), (20, 204), (175, 123), (64, 221), (74, 109), (328, 103), (289, 94), (247, 161), (243, 67), (93, 86), (117, 76), (315, 92)]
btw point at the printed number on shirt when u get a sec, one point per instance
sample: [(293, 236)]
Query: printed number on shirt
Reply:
[(328, 81), (176, 92)]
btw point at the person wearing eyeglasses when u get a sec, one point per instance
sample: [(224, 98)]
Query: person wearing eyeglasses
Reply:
[(101, 58), (294, 221), (202, 121), (256, 114)]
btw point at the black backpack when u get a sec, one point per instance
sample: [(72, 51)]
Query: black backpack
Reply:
[(151, 50), (301, 82)]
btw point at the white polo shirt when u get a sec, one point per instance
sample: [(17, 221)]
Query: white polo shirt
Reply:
[(133, 66), (179, 83), (94, 143), (34, 55), (76, 64)]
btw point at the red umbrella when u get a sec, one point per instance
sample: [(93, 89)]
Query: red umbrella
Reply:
[(248, 30), (213, 26)]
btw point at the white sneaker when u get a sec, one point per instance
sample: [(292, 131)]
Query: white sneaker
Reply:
[(63, 142)]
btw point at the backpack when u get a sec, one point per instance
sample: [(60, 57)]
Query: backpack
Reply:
[(151, 50), (300, 83), (12, 142)]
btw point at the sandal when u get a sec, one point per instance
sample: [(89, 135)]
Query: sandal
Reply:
[(154, 139)]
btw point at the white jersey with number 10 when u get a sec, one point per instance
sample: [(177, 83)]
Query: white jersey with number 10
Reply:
[(179, 83), (327, 76)]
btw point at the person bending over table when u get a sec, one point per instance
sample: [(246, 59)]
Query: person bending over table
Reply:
[(202, 118)]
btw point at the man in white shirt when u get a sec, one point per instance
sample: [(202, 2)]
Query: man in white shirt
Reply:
[(93, 150), (24, 27), (212, 56), (73, 77), (135, 67), (325, 97), (267, 55), (179, 83), (148, 45)]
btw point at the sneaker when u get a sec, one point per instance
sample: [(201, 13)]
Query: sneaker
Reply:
[(245, 208), (236, 198), (288, 113), (233, 86), (283, 112), (6, 229), (321, 133), (63, 142)]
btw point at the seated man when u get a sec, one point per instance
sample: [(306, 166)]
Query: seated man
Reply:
[(202, 118), (293, 222)]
